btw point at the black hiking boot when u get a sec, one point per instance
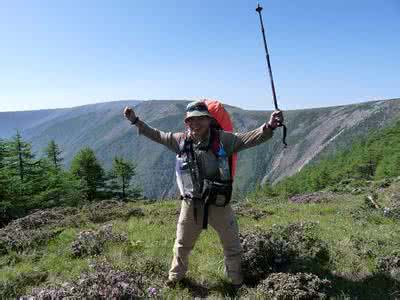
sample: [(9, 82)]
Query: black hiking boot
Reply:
[(236, 287)]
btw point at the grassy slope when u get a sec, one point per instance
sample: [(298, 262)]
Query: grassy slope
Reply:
[(356, 237)]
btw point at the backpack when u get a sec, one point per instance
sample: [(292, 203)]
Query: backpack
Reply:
[(224, 122)]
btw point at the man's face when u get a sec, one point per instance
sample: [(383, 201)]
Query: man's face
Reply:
[(198, 126)]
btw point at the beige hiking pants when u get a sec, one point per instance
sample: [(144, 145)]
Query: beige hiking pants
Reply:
[(188, 230)]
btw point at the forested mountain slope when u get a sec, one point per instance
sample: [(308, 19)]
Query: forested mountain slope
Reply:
[(312, 134)]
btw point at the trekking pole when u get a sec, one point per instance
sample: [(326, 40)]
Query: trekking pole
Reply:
[(259, 9)]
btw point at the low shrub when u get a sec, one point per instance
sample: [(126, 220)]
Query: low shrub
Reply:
[(92, 242), (282, 286), (100, 282), (294, 247), (389, 266)]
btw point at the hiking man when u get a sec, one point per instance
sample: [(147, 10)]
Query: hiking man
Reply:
[(205, 169)]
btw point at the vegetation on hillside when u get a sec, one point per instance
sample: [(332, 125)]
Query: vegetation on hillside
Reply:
[(28, 183), (342, 248), (374, 158), (337, 238)]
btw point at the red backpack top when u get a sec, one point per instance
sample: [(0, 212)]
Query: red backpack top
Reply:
[(223, 119)]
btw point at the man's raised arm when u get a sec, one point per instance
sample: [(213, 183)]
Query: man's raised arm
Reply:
[(168, 139)]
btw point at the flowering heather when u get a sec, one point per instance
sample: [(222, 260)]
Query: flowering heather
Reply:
[(100, 282), (283, 248), (90, 242), (286, 286)]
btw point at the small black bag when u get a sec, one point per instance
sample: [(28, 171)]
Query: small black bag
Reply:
[(218, 193)]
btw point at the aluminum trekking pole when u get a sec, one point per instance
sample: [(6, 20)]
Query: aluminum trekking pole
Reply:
[(259, 9)]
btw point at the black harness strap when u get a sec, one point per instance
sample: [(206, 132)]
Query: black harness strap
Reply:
[(208, 198), (205, 216), (213, 136)]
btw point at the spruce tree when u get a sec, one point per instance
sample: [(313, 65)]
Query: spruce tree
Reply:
[(19, 157), (20, 177), (53, 154), (2, 152), (86, 167), (122, 173)]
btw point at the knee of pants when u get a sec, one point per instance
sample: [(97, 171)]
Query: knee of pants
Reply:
[(181, 244), (184, 243), (232, 254), (232, 248)]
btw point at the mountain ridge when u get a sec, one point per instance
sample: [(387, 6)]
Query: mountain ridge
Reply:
[(312, 133)]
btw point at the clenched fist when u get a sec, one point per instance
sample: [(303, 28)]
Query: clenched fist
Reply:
[(276, 119), (129, 113)]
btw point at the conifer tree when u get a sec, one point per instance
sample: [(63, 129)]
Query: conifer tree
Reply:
[(3, 178), (2, 153), (19, 157), (122, 172), (58, 187), (86, 167), (53, 154), (20, 178)]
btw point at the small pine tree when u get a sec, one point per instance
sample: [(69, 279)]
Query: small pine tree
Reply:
[(20, 178), (19, 157), (121, 175), (86, 167), (63, 189), (53, 154), (2, 152)]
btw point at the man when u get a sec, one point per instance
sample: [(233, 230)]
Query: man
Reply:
[(221, 218)]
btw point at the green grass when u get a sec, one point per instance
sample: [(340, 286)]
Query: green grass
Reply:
[(356, 236)]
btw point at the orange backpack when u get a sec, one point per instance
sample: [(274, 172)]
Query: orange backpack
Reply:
[(224, 121)]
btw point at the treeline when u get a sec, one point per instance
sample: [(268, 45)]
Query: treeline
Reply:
[(374, 158), (27, 182)]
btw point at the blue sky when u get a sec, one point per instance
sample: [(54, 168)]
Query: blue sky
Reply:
[(323, 53)]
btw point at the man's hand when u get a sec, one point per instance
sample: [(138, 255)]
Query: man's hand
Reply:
[(276, 119), (129, 113)]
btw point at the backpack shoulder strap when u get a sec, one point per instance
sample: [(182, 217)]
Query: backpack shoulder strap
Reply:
[(215, 143), (185, 144)]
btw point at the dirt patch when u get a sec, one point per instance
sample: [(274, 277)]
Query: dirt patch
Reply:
[(317, 197)]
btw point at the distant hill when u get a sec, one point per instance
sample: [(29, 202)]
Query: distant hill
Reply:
[(34, 119), (312, 134)]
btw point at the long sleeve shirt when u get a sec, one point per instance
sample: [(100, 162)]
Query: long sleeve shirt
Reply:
[(208, 164)]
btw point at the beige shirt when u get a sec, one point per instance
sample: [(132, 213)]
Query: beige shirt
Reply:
[(208, 164)]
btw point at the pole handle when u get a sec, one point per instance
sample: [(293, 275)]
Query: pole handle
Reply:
[(284, 136)]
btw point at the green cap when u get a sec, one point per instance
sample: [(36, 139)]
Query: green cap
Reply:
[(197, 109)]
